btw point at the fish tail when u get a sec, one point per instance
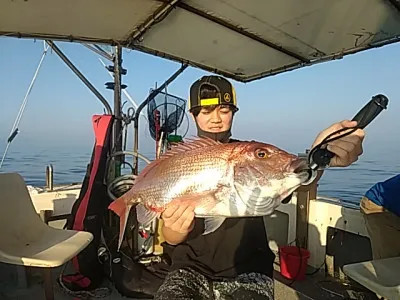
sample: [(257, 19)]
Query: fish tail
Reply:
[(122, 209)]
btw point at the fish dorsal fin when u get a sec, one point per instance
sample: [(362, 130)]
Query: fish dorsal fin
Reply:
[(149, 167), (188, 145)]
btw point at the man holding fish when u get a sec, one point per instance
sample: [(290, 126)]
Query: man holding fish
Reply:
[(212, 193)]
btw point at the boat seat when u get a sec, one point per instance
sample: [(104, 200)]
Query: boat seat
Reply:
[(25, 240), (381, 276)]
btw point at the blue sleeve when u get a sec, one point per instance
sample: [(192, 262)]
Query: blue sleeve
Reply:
[(386, 194)]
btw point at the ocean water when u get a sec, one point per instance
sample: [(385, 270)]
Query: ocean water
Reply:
[(347, 184)]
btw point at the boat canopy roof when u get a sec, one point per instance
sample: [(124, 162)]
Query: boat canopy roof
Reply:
[(240, 39)]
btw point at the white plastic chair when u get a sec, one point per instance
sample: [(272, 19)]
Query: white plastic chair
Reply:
[(26, 240), (381, 276)]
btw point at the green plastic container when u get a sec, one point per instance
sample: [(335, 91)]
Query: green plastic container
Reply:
[(172, 138)]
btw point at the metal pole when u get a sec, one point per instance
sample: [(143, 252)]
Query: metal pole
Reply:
[(160, 13), (80, 75), (49, 177), (99, 52), (117, 129)]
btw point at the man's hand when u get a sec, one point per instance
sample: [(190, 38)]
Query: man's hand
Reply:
[(179, 218), (347, 149)]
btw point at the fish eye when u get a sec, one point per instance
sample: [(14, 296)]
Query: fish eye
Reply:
[(261, 153)]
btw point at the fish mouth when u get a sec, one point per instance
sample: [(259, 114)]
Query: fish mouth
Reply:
[(301, 168)]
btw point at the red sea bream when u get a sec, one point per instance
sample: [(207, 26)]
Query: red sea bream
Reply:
[(220, 180)]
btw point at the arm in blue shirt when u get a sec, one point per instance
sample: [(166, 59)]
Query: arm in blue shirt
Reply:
[(386, 194)]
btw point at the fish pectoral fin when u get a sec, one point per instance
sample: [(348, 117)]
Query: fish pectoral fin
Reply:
[(144, 215), (212, 223)]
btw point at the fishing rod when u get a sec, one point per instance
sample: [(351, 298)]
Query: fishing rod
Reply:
[(320, 157), (15, 129)]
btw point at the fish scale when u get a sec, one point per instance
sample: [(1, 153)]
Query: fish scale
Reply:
[(183, 175)]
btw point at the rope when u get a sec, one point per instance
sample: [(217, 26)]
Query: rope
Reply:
[(100, 292), (14, 130)]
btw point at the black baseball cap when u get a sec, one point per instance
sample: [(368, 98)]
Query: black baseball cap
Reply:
[(226, 93)]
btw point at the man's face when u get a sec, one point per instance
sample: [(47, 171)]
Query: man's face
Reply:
[(215, 118)]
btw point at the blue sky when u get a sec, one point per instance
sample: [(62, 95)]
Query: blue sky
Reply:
[(287, 110)]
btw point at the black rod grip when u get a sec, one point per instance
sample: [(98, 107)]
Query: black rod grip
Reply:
[(366, 115)]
